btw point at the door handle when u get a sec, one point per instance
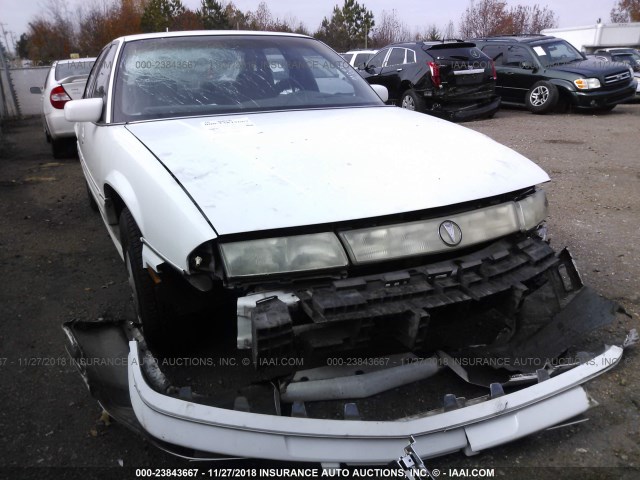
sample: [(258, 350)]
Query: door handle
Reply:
[(398, 70), (508, 73)]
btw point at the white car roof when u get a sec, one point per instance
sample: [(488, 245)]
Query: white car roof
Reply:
[(213, 33), (362, 51)]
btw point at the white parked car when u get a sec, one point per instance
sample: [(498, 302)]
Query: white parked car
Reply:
[(358, 58), (223, 168), (65, 81)]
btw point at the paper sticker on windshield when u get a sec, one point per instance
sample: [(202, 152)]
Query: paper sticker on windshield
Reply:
[(229, 125), (539, 50)]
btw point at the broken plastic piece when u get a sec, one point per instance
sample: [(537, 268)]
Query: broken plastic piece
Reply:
[(359, 386), (298, 410), (351, 411), (496, 390)]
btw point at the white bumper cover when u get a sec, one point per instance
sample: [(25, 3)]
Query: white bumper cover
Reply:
[(483, 423)]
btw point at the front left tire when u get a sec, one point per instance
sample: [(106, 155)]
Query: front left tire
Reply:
[(148, 308), (542, 97)]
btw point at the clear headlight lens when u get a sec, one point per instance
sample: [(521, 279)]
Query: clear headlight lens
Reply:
[(533, 210), (428, 236), (302, 253), (442, 234), (587, 83), (270, 256)]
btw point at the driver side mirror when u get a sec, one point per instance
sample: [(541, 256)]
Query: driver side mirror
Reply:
[(382, 91), (84, 110)]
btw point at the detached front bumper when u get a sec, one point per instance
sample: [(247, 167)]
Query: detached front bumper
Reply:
[(464, 112), (486, 422), (201, 409)]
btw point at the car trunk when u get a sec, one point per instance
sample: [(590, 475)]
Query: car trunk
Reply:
[(461, 65), (74, 86)]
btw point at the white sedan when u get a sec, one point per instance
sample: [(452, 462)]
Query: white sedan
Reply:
[(344, 275), (65, 81)]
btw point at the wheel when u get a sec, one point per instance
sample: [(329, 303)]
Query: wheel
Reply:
[(92, 201), (58, 147), (147, 307), (542, 97), (412, 101)]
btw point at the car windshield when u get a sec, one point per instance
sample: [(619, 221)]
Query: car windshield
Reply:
[(556, 53), (73, 69), (627, 58), (203, 75)]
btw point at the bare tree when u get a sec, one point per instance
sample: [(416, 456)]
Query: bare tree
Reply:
[(289, 24), (52, 36), (261, 19), (493, 17), (237, 18), (390, 30), (484, 19), (103, 20), (625, 11), (531, 19), (449, 31)]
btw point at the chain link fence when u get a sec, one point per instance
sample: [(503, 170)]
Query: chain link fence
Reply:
[(8, 103)]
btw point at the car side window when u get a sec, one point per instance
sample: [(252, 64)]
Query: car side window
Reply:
[(411, 56), (93, 75), (396, 57), (361, 59), (377, 59), (103, 73), (516, 55), (495, 52)]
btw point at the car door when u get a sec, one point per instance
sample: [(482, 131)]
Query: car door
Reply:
[(497, 54), (88, 133), (371, 71), (392, 70), (519, 71)]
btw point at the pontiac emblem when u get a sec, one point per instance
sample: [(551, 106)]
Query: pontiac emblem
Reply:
[(450, 233)]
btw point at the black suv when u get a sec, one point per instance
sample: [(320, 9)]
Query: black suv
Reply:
[(541, 72), (453, 80)]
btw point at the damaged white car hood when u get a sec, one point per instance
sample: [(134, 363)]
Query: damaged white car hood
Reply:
[(285, 169)]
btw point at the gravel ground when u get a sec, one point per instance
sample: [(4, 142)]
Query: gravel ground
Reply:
[(61, 265)]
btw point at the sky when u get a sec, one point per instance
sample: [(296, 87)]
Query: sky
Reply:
[(16, 14)]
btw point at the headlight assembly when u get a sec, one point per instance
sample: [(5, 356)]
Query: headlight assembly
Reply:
[(442, 234), (532, 210), (587, 83), (304, 253), (271, 256)]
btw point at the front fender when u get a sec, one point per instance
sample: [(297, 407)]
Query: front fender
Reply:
[(564, 84), (171, 224)]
